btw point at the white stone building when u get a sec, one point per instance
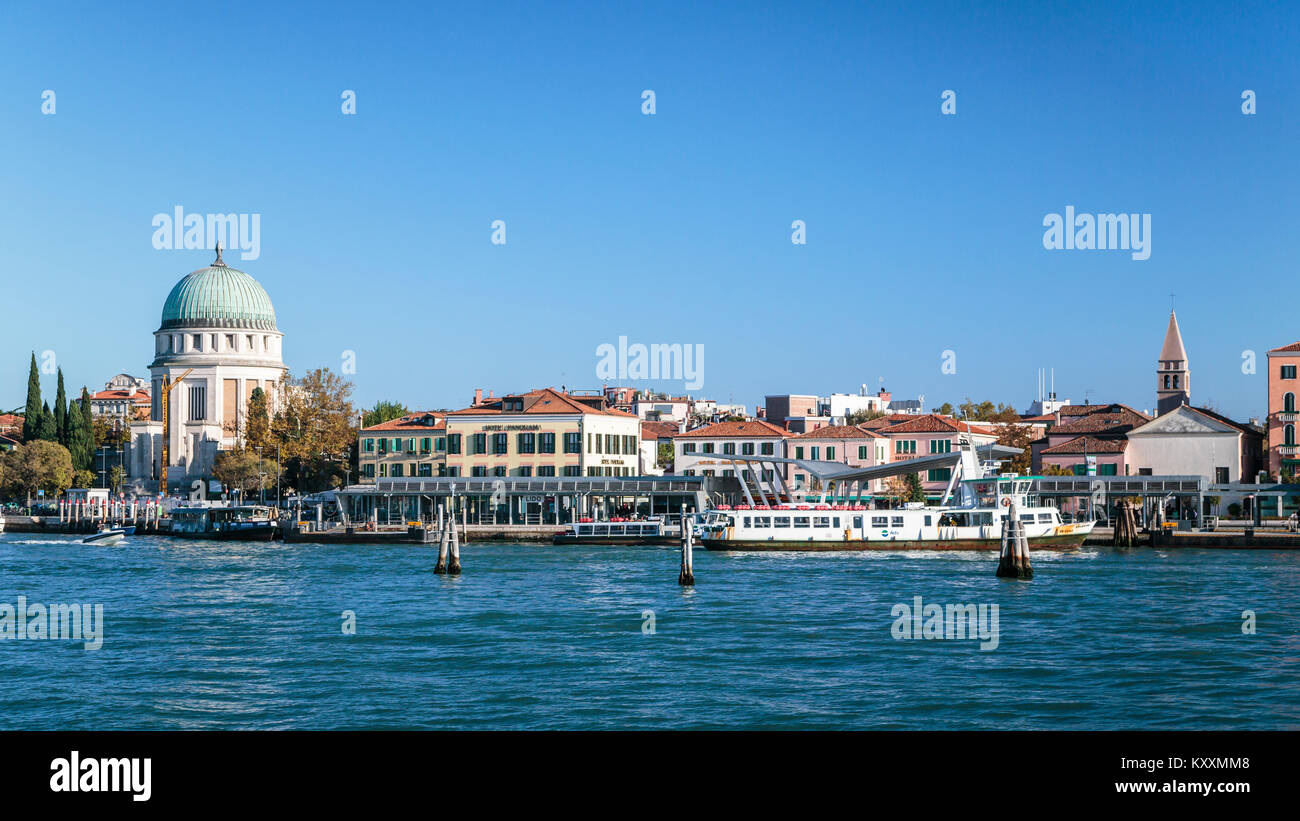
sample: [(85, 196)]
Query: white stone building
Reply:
[(218, 331)]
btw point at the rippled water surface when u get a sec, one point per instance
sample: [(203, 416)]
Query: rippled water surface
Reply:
[(224, 635)]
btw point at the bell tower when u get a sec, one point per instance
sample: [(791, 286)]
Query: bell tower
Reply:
[(1173, 379)]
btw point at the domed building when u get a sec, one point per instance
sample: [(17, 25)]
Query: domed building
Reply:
[(219, 338)]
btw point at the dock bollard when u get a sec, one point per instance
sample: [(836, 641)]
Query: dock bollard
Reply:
[(441, 567), (453, 562), (687, 576), (1013, 559)]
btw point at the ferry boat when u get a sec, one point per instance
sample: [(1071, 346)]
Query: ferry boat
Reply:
[(615, 531), (241, 522), (975, 523)]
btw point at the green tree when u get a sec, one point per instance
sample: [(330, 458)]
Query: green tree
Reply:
[(46, 429), (383, 411), (664, 457), (314, 428), (1018, 436), (857, 417), (83, 478), (243, 470), (915, 491), (946, 409), (81, 434), (116, 476), (61, 413), (39, 465), (257, 428), (32, 416)]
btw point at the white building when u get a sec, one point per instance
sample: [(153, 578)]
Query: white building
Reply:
[(218, 331), (1191, 441)]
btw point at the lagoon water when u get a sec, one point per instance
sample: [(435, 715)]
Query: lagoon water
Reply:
[(220, 635)]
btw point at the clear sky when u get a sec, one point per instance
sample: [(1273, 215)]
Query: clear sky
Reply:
[(924, 231)]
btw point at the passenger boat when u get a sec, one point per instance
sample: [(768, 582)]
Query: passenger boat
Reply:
[(974, 523), (109, 536), (615, 531), (243, 522), (2, 524)]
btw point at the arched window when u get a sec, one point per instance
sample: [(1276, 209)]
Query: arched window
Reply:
[(1166, 381), (1288, 435), (1288, 403), (1175, 381)]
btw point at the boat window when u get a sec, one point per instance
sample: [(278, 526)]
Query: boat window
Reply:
[(821, 521), (1027, 517), (762, 521), (801, 521), (781, 521), (747, 521), (857, 521), (927, 520), (880, 521), (1045, 517), (617, 530), (837, 521), (898, 521)]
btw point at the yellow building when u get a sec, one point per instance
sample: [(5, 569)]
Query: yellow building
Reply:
[(542, 433), (414, 445)]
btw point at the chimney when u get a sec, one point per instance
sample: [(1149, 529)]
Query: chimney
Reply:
[(478, 395)]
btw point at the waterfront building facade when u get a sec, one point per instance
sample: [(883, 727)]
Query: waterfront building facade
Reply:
[(1089, 439), (703, 451), (851, 445), (218, 331), (1191, 441), (542, 433), (928, 434), (414, 445), (1283, 419)]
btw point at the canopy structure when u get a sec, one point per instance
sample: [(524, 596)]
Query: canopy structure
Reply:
[(840, 475)]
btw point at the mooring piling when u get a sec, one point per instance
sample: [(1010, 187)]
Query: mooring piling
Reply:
[(453, 561), (1013, 559), (1125, 534), (686, 577), (443, 539)]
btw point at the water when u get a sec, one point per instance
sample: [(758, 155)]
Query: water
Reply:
[(207, 635)]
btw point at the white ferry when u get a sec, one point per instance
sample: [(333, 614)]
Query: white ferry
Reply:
[(975, 523)]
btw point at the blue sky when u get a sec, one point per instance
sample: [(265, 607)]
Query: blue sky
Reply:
[(924, 231)]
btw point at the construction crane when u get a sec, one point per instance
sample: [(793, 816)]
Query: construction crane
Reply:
[(167, 385)]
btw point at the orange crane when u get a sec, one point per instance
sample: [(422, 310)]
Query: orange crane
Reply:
[(167, 385)]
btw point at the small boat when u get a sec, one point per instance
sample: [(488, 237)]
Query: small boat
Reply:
[(615, 531), (109, 536)]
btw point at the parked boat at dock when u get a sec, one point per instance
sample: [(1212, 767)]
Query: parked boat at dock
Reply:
[(615, 532), (246, 522)]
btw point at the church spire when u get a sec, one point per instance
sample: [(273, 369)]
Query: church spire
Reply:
[(1173, 378)]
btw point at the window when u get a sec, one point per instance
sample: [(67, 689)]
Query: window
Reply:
[(410, 445), (802, 521), (573, 443), (546, 470), (1221, 476), (480, 443), (453, 443), (762, 521), (747, 449), (821, 521), (815, 453), (478, 470), (499, 470), (688, 447), (1175, 381), (1166, 381), (368, 470), (862, 451), (830, 454), (1045, 518), (1288, 403), (426, 469), (368, 445), (426, 444), (383, 470), (939, 474), (527, 442), (198, 403), (941, 446), (500, 443), (896, 521), (905, 446), (780, 521), (453, 470), (1288, 371), (198, 342), (857, 522), (880, 521), (1288, 435), (1107, 469), (547, 444), (397, 469), (572, 470), (397, 446), (767, 449), (729, 448), (526, 470), (707, 447), (798, 453)]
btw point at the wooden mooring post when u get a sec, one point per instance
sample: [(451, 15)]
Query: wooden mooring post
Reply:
[(453, 559), (1013, 560), (443, 541), (1125, 534), (686, 577)]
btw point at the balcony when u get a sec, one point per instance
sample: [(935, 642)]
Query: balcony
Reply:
[(1288, 450), (1287, 416)]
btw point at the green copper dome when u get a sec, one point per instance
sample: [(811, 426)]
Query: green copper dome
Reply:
[(218, 296)]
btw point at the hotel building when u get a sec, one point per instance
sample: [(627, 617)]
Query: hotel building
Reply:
[(1283, 452), (414, 445), (696, 452), (542, 433)]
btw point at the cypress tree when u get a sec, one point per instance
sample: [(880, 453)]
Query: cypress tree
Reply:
[(32, 416), (86, 432), (61, 413), (45, 427)]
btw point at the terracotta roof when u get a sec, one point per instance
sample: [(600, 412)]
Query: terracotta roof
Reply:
[(544, 401), (658, 430), (138, 395), (1294, 347), (11, 418), (410, 422), (840, 432), (885, 421), (1088, 444), (1112, 419), (1221, 418), (934, 423), (1046, 417), (720, 430)]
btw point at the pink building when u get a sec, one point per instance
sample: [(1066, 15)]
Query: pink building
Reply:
[(851, 445), (1098, 431), (929, 434), (1283, 452)]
